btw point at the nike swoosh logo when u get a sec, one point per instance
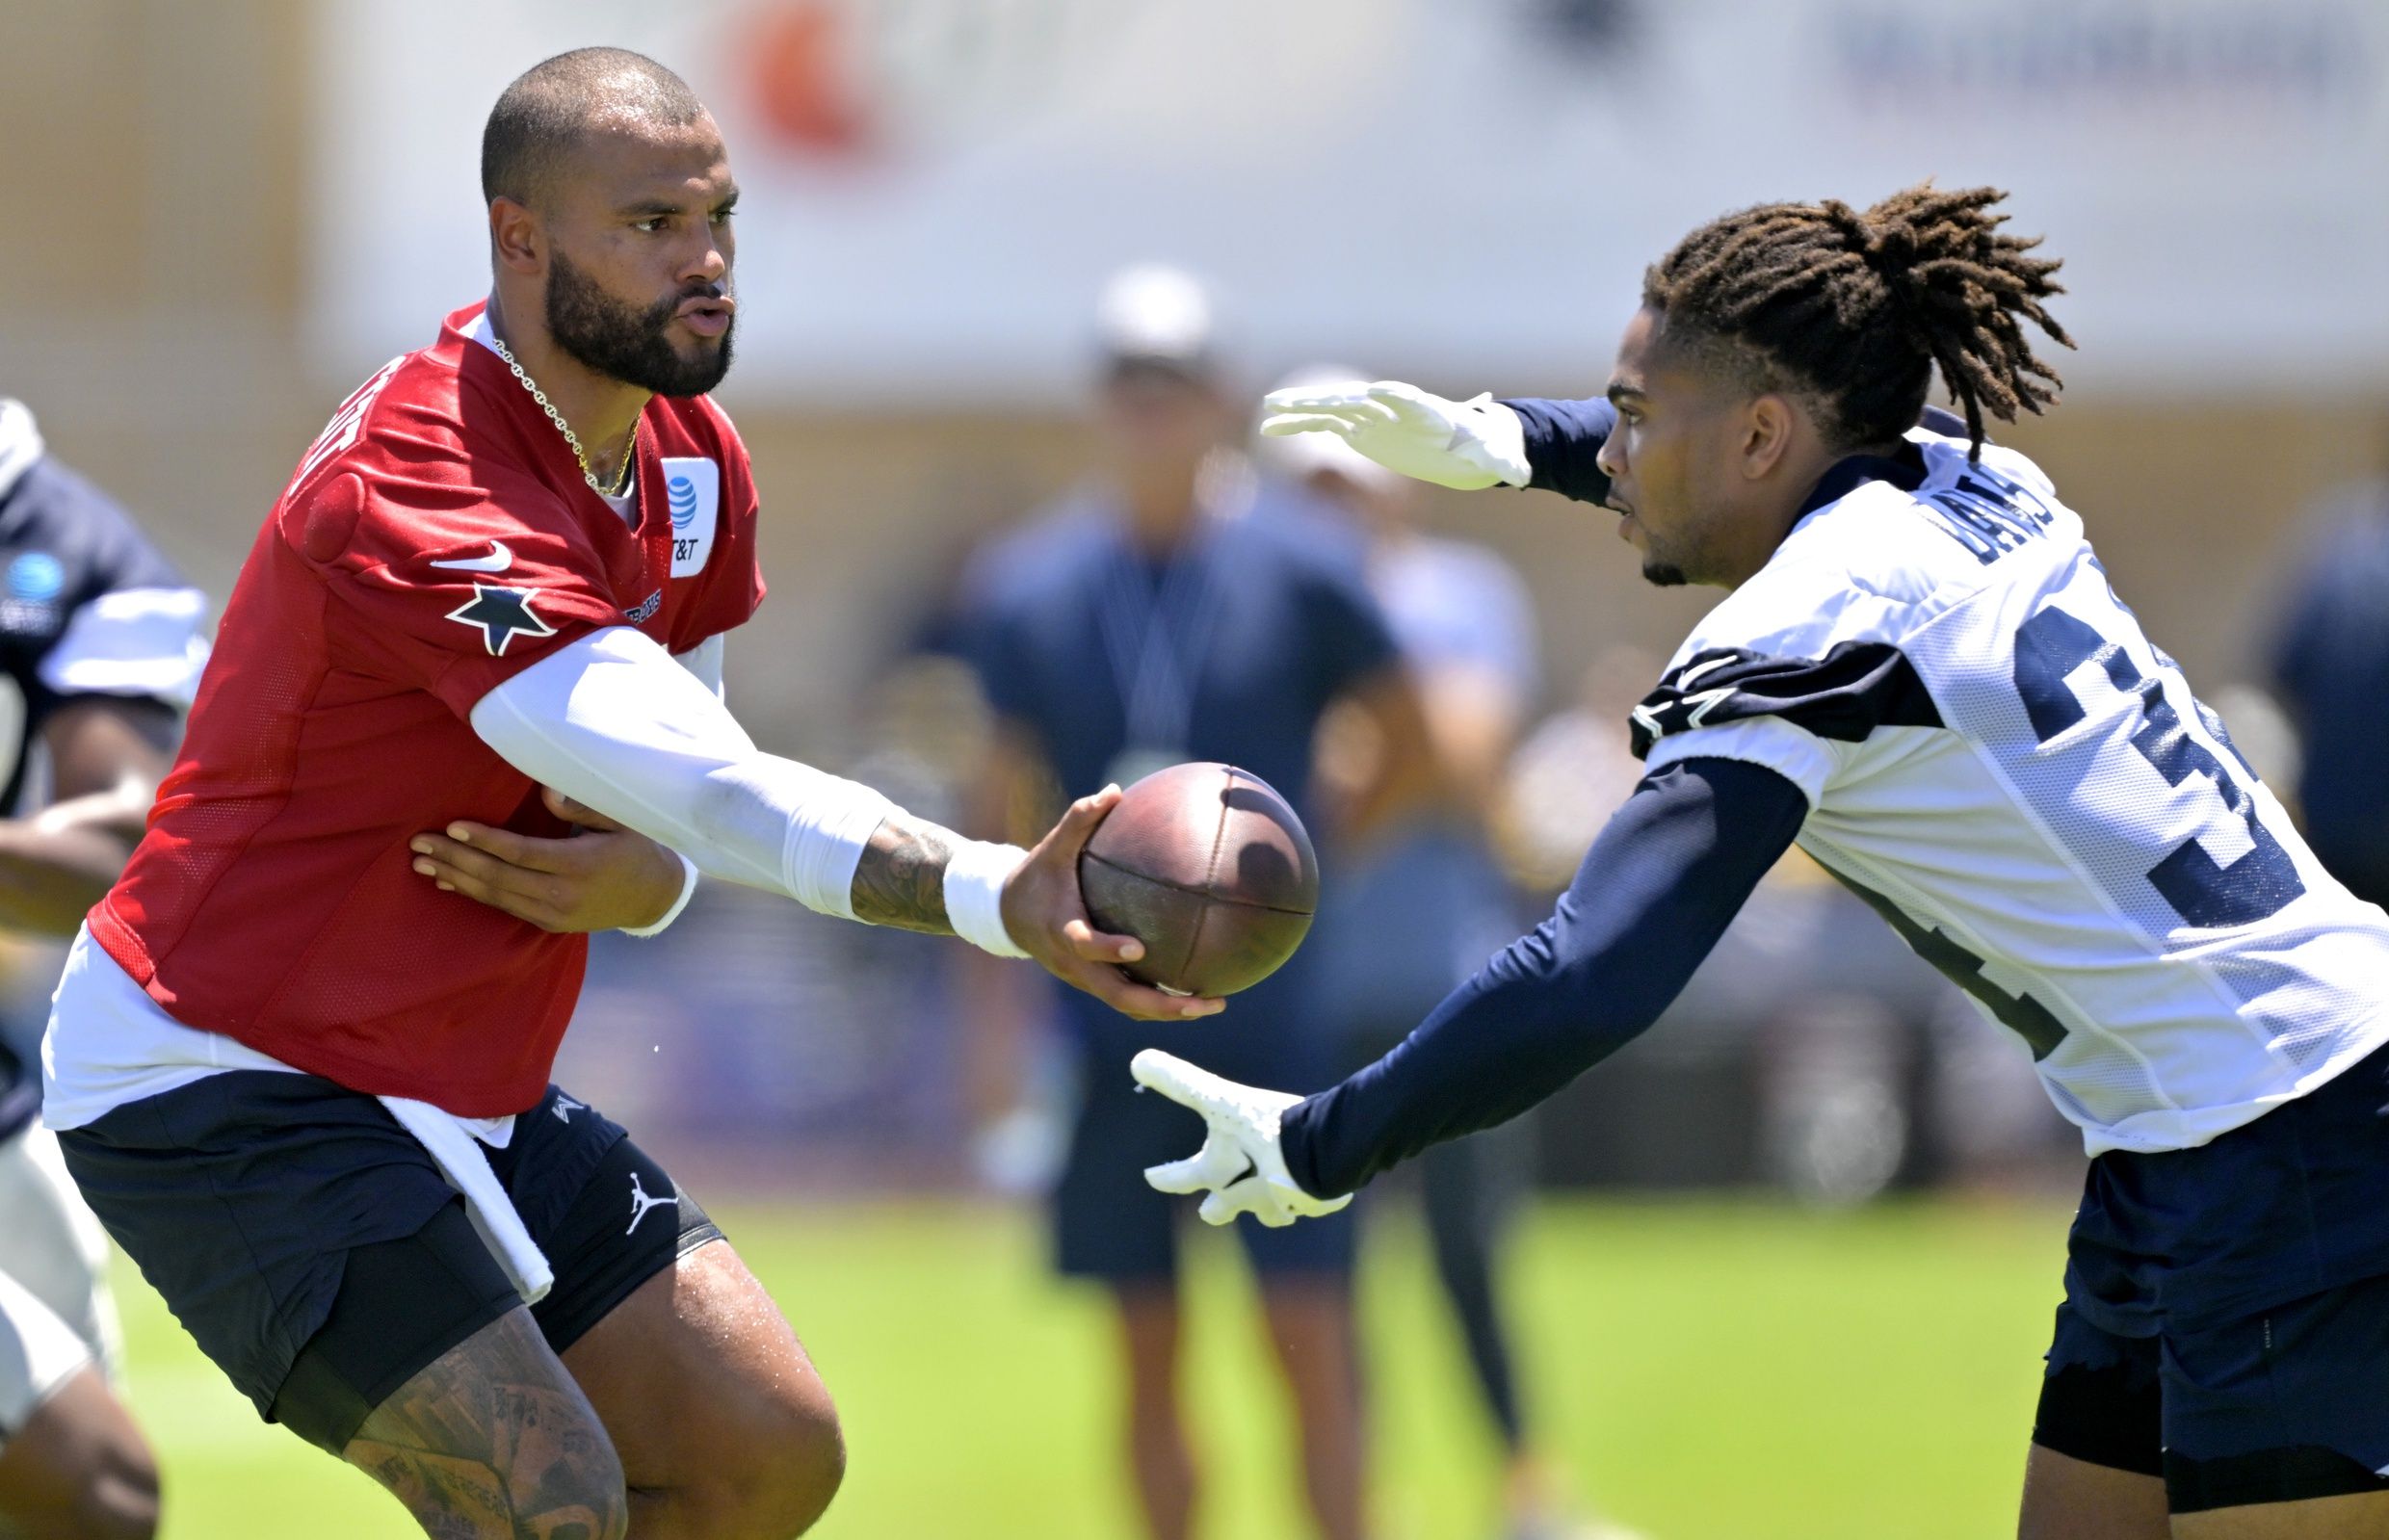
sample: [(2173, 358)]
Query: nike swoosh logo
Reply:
[(498, 560)]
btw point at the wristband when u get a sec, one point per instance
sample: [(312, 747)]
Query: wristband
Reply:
[(688, 890), (975, 876)]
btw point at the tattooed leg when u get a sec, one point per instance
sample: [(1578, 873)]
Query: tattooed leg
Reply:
[(493, 1441), (726, 1430)]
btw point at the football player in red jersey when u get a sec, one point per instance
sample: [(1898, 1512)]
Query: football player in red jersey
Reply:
[(302, 1075)]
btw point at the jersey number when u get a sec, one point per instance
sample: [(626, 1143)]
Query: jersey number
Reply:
[(2203, 891), (2020, 1014)]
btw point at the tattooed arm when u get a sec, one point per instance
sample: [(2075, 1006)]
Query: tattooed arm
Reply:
[(901, 880)]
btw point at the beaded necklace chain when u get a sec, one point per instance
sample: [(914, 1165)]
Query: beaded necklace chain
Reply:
[(630, 451)]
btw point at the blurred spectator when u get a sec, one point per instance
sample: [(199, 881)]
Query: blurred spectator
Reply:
[(1573, 772), (2330, 668), (1180, 609), (1421, 903), (101, 645)]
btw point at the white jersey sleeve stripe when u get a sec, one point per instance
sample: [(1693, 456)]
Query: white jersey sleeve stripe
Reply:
[(132, 641), (1801, 757)]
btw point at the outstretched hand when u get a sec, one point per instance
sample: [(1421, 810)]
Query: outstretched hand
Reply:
[(1241, 1164), (1046, 917), (1464, 444), (602, 878)]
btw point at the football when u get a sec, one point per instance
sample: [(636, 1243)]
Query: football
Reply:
[(1208, 867)]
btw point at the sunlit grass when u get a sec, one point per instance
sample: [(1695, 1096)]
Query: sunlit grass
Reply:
[(1709, 1370)]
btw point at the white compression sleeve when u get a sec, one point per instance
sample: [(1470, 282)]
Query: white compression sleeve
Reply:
[(613, 723), (704, 661)]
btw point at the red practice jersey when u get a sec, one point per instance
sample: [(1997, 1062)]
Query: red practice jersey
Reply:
[(434, 540)]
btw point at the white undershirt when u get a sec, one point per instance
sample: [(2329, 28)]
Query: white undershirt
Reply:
[(109, 1044)]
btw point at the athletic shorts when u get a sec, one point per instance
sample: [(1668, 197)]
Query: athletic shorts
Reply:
[(315, 1252), (2227, 1314), (1109, 1223)]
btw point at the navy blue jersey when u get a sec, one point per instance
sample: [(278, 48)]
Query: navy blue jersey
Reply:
[(1270, 606), (1229, 649), (87, 607)]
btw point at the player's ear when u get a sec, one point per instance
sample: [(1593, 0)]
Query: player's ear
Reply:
[(1767, 429), (516, 239)]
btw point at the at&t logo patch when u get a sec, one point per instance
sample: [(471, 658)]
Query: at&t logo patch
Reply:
[(693, 494)]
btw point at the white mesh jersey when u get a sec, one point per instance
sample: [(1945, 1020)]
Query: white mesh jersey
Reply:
[(2000, 762)]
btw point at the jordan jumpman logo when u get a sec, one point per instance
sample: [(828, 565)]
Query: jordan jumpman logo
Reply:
[(641, 1203)]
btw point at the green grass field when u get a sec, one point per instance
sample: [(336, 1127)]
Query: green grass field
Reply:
[(1710, 1371)]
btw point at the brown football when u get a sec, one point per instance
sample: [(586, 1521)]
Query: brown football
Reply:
[(1210, 869)]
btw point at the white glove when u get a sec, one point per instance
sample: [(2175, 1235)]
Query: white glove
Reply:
[(1240, 1162), (1464, 444)]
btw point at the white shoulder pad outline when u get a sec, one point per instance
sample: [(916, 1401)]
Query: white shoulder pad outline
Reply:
[(132, 641)]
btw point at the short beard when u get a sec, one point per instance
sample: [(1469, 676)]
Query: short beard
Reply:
[(630, 345), (1663, 575)]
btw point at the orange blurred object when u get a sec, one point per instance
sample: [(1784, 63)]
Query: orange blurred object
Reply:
[(805, 81)]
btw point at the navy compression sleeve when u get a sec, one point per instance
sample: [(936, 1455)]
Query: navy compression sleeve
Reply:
[(1562, 440), (1654, 894)]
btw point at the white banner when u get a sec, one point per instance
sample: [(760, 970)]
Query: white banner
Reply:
[(1461, 190)]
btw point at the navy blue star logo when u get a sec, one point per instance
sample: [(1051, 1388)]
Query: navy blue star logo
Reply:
[(500, 612)]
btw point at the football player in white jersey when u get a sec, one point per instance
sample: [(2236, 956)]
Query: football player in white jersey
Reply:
[(1922, 677)]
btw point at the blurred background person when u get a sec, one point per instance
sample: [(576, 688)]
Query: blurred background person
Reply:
[(1229, 615), (100, 648), (2329, 667), (1420, 900)]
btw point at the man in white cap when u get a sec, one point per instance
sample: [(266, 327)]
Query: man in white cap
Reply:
[(1424, 902), (1228, 616)]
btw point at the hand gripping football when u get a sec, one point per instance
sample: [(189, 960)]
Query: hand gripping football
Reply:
[(1210, 869)]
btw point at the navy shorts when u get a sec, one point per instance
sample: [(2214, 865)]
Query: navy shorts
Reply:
[(2227, 1314), (315, 1252), (1108, 1222)]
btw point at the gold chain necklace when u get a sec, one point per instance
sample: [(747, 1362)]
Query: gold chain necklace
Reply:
[(630, 451)]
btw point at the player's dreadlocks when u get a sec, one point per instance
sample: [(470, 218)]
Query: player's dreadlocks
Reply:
[(1854, 310), (542, 116)]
